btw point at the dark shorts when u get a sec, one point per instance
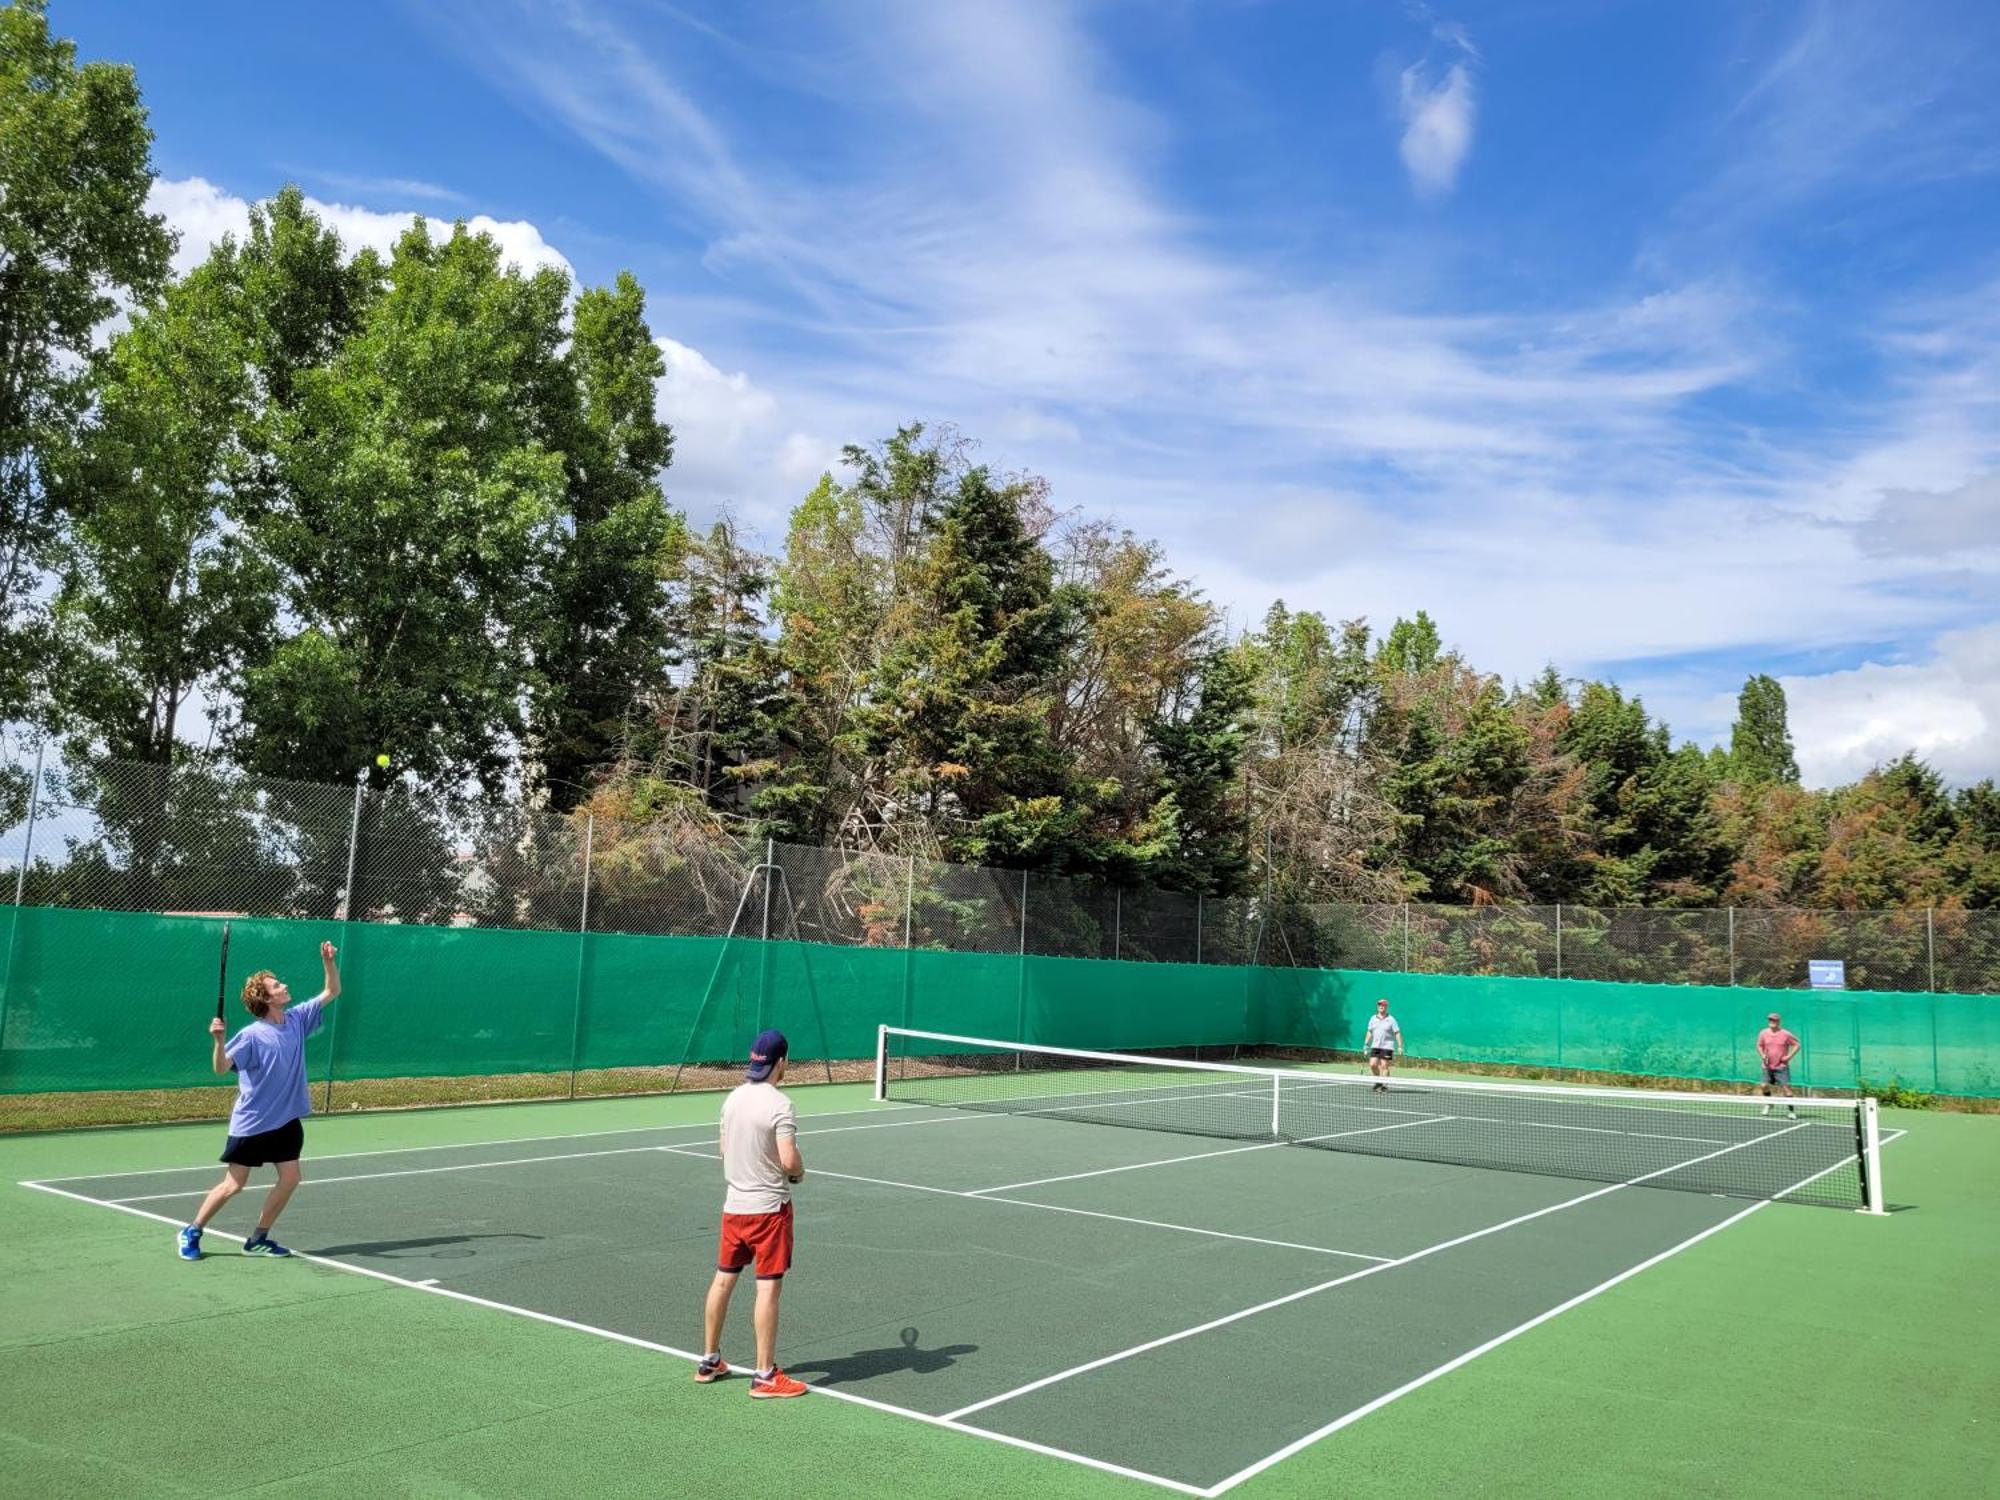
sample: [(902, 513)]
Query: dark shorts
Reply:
[(1385, 1053), (764, 1238), (1780, 1074), (286, 1143)]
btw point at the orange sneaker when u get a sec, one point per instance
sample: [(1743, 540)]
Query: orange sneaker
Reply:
[(709, 1370), (776, 1384)]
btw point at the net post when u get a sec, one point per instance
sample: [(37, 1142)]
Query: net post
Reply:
[(881, 1063), (1870, 1123), (1277, 1086)]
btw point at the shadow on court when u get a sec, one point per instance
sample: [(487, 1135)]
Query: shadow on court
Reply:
[(865, 1364), (435, 1246)]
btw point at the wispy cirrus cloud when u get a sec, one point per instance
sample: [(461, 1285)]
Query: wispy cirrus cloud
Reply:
[(386, 187), (976, 223)]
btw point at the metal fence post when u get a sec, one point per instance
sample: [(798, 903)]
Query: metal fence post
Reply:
[(1197, 926), (764, 944), (20, 890), (1931, 947), (1732, 945), (346, 922), (582, 940), (1021, 979), (909, 963), (1406, 937), (1117, 923), (1559, 940)]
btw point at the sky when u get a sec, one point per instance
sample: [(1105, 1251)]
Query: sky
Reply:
[(1657, 339)]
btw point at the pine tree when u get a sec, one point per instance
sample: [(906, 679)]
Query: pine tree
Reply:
[(1760, 744)]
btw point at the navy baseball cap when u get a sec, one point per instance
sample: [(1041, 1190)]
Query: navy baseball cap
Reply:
[(765, 1054)]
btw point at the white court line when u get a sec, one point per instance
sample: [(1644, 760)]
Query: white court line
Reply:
[(471, 1166), (1304, 1140), (1312, 1291), (616, 1337), (512, 1140), (1368, 1408), (1059, 1208)]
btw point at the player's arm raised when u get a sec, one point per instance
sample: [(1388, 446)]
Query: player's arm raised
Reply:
[(326, 959)]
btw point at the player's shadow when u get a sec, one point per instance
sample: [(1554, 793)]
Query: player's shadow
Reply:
[(434, 1246), (865, 1364)]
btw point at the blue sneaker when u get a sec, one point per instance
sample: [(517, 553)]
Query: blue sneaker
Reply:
[(261, 1243), (190, 1243)]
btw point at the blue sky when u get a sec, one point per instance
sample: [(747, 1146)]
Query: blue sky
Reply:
[(1660, 340)]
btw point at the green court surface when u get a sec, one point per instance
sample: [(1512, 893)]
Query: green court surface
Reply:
[(499, 1301)]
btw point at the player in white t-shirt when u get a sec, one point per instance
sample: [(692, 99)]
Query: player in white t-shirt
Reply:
[(760, 1163), (1383, 1042)]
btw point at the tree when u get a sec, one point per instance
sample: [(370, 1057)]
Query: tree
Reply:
[(160, 591), (1313, 777), (1411, 647), (1760, 743), (829, 604), (1197, 831), (604, 629), (75, 168), (957, 718), (413, 500), (1888, 840)]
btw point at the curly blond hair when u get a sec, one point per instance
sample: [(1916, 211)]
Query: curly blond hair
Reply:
[(254, 999)]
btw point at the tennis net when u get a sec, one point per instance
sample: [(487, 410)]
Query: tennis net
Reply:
[(1804, 1150)]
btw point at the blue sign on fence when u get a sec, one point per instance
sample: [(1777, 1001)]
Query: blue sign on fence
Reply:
[(1826, 973)]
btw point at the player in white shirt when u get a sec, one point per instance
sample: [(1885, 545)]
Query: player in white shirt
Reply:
[(760, 1166), (1383, 1042)]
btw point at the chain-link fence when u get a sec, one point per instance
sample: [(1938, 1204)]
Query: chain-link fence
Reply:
[(207, 839)]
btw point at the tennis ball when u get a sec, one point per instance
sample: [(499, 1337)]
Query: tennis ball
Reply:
[(382, 761)]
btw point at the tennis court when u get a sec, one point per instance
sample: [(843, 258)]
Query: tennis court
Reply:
[(1169, 1303)]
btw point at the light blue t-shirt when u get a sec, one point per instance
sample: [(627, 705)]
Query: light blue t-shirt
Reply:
[(270, 1063)]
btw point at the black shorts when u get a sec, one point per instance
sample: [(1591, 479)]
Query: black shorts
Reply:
[(286, 1143), (1382, 1052)]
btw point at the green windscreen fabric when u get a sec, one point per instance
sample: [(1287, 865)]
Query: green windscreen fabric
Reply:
[(1937, 1043), (98, 1000)]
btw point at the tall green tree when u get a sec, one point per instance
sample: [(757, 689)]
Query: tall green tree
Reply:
[(1199, 823), (605, 628), (415, 493), (1760, 742), (75, 236), (957, 719), (160, 590)]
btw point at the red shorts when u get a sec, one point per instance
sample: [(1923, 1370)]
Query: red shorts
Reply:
[(765, 1238)]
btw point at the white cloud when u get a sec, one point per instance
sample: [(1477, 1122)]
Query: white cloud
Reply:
[(1548, 482), (1437, 126), (733, 447), (202, 213), (1946, 709)]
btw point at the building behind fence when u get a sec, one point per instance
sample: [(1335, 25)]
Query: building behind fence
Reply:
[(205, 839)]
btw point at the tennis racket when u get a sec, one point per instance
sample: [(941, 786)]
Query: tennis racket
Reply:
[(222, 978)]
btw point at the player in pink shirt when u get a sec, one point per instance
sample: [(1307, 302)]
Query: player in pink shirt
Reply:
[(1777, 1047)]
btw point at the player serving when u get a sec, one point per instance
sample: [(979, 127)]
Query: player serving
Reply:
[(267, 1125), (1383, 1042)]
